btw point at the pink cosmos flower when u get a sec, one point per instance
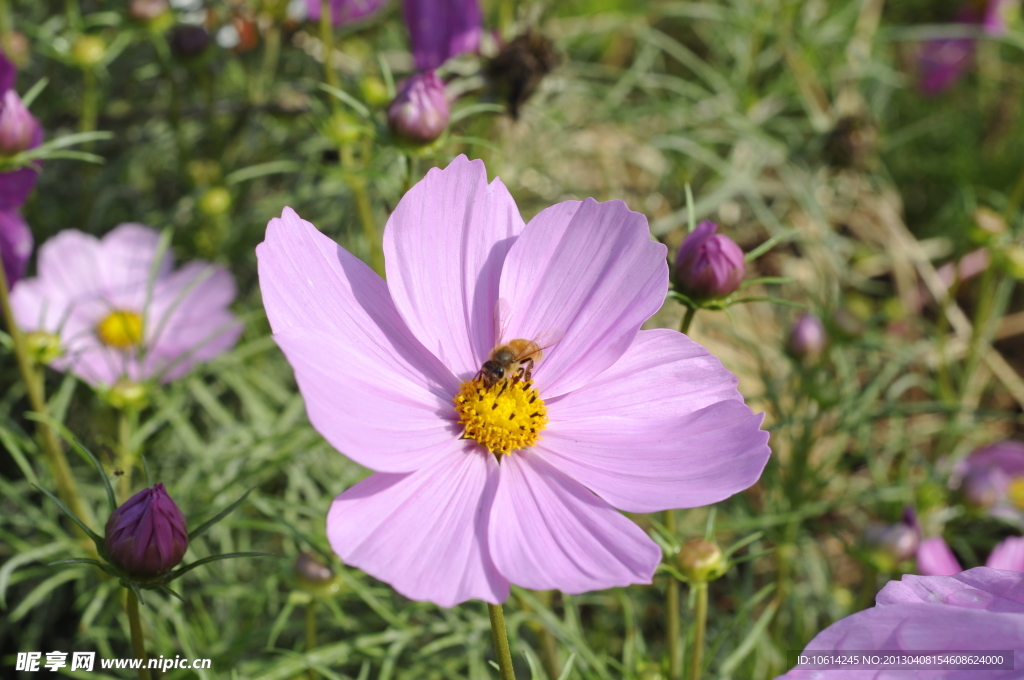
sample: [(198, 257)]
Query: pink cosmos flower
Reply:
[(481, 484), (345, 11), (19, 130), (979, 609), (441, 29), (119, 309), (934, 558), (992, 478)]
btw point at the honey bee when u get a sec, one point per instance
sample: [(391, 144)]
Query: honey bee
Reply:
[(516, 358)]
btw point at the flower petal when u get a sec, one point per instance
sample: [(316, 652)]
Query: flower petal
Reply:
[(424, 532), (444, 246), (642, 465), (934, 558), (371, 388), (978, 588), (590, 271), (547, 531), (128, 254), (1008, 555), (663, 374)]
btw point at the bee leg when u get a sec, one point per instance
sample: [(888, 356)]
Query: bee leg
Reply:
[(526, 370)]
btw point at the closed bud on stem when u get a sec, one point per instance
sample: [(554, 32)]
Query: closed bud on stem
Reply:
[(420, 113), (88, 51), (18, 128), (128, 395), (43, 347), (701, 561), (708, 265), (890, 544), (147, 536), (215, 201), (807, 340), (315, 577)]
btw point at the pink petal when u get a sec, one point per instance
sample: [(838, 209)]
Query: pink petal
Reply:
[(1007, 555), (663, 374), (424, 532), (128, 253), (547, 531), (444, 247), (385, 416), (370, 387), (978, 588), (642, 465), (590, 270), (70, 266), (934, 558)]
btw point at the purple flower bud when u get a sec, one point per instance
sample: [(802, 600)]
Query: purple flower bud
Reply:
[(419, 113), (15, 245), (808, 338), (942, 62), (147, 536), (189, 41), (708, 265), (18, 128), (441, 29), (997, 16), (345, 11), (8, 73), (895, 543)]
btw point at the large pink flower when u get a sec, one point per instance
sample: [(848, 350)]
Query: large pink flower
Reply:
[(121, 312), (635, 420)]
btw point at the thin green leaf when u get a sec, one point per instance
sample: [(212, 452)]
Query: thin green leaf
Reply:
[(474, 109), (567, 668), (35, 91), (23, 558), (68, 437), (691, 212), (196, 533), (262, 170), (145, 468), (777, 301), (769, 244), (41, 592), (356, 105), (214, 558), (74, 518), (766, 279)]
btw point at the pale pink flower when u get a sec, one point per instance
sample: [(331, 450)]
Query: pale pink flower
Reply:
[(635, 420), (121, 311), (934, 558)]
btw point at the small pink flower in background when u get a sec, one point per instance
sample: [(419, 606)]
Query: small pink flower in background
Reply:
[(709, 265), (441, 29), (976, 610), (613, 417), (345, 11), (420, 113), (942, 61), (934, 558), (121, 313), (15, 245), (992, 478), (998, 14), (807, 338)]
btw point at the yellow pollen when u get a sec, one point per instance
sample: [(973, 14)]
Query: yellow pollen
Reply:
[(506, 416), (1015, 492), (120, 329)]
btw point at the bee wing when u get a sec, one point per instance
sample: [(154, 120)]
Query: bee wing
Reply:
[(502, 315), (548, 337)]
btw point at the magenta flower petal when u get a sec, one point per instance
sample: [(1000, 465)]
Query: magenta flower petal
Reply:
[(441, 29), (979, 588), (425, 533), (383, 415), (547, 531), (15, 245), (642, 465), (8, 73), (588, 270), (345, 11), (934, 558), (444, 247), (1008, 555), (663, 374)]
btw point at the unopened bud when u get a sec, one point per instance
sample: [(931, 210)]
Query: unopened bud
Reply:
[(189, 41), (19, 130), (43, 347), (343, 128), (315, 577), (420, 113), (89, 51), (147, 536), (215, 201), (701, 561), (15, 246), (128, 395), (708, 265), (375, 92), (807, 340), (893, 543)]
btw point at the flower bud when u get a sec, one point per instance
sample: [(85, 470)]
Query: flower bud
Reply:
[(419, 114), (147, 536), (128, 395), (189, 41), (15, 246), (215, 201), (986, 476), (43, 347), (701, 561), (315, 577), (89, 51), (893, 543), (18, 128), (808, 338), (708, 265)]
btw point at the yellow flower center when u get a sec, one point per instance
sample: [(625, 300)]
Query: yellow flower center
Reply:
[(120, 329), (506, 416), (1015, 492)]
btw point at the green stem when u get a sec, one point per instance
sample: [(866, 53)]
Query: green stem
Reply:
[(311, 632), (327, 38), (89, 101), (701, 618), (672, 627), (688, 319), (501, 641), (58, 463), (138, 644), (126, 458)]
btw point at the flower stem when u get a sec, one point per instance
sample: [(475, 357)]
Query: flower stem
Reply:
[(311, 632), (701, 617), (327, 38), (125, 454), (138, 644), (58, 463), (501, 641), (688, 319), (672, 632), (87, 123)]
